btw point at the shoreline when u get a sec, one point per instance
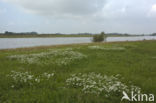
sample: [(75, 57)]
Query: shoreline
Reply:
[(64, 36), (66, 45)]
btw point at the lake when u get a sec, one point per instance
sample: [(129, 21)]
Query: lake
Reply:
[(7, 43)]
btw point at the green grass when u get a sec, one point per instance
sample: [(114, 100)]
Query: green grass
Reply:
[(136, 63)]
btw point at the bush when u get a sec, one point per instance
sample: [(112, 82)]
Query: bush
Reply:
[(99, 37)]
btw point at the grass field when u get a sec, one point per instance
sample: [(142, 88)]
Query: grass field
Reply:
[(80, 73)]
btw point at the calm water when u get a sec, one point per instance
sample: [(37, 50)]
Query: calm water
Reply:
[(6, 43)]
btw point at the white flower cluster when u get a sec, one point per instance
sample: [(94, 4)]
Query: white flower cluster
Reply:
[(59, 57), (105, 48), (135, 89), (26, 78), (68, 56), (47, 76), (96, 84)]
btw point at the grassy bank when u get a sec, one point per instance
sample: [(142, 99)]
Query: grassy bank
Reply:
[(82, 73)]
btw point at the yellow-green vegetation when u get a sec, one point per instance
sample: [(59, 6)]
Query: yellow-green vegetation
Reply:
[(80, 73)]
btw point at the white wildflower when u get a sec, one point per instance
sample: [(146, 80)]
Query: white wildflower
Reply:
[(12, 86), (106, 48), (26, 78), (58, 57), (96, 83)]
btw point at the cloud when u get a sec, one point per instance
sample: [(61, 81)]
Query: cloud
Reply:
[(153, 8), (152, 12), (11, 23), (92, 15), (3, 10), (87, 8), (61, 7)]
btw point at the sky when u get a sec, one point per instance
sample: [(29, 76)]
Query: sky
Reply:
[(78, 16)]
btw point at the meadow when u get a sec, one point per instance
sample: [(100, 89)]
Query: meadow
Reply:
[(78, 73)]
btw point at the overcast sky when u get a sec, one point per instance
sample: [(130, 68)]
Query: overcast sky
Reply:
[(75, 16)]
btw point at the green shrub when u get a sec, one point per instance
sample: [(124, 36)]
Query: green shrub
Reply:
[(99, 37)]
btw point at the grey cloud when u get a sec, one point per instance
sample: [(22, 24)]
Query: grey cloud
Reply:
[(61, 7), (3, 10), (92, 8), (95, 15)]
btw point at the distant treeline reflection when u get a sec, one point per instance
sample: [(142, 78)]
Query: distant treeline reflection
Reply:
[(36, 34)]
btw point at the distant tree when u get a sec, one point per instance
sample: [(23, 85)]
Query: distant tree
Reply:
[(7, 32), (35, 33), (99, 37), (154, 34)]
